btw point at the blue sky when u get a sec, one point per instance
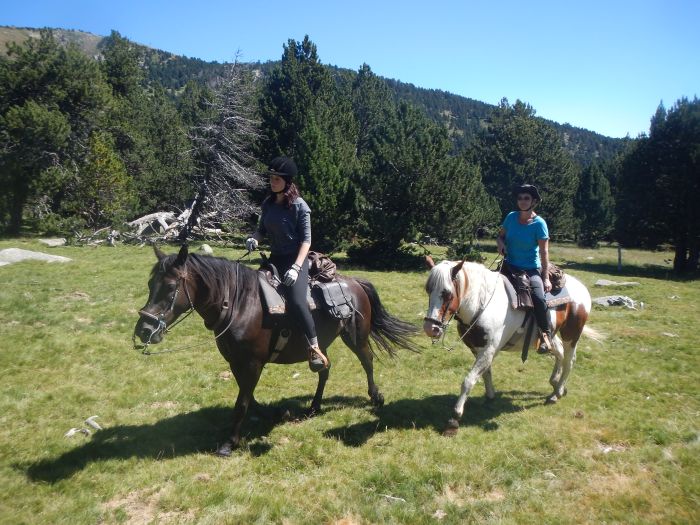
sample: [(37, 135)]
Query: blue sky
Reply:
[(599, 65)]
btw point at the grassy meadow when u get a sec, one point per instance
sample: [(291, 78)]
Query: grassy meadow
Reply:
[(622, 447)]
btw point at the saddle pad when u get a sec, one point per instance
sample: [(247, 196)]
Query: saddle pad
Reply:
[(561, 297), (273, 301)]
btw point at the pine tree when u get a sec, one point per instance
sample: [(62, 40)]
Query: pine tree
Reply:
[(594, 206), (304, 116), (518, 148), (659, 181), (103, 195), (51, 99)]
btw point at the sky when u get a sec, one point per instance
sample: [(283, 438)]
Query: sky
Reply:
[(602, 65)]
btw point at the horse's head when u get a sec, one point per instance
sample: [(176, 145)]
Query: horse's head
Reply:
[(168, 296), (443, 295)]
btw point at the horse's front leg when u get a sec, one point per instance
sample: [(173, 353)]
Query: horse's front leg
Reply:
[(315, 407), (247, 376), (482, 364)]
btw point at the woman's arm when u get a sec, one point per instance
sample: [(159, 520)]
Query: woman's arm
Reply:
[(544, 259), (303, 252), (501, 241)]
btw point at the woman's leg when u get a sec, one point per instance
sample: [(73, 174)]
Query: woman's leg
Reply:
[(540, 307), (299, 309)]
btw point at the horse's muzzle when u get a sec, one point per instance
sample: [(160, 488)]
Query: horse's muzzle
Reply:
[(149, 332), (432, 327)]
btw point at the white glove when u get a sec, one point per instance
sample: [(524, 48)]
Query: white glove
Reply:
[(292, 275), (251, 244)]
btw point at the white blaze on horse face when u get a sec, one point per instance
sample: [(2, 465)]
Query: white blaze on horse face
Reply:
[(439, 288)]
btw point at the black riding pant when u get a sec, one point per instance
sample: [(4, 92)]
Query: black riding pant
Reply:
[(296, 294)]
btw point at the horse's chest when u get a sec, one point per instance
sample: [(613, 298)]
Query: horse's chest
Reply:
[(474, 337)]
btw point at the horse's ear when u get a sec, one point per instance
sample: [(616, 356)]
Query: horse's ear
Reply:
[(181, 256), (429, 262), (159, 254), (456, 269)]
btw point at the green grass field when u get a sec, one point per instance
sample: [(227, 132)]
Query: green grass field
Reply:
[(622, 447)]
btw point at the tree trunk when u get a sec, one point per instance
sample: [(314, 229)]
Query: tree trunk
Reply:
[(680, 259), (16, 209)]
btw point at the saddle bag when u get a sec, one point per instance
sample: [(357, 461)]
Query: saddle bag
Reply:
[(336, 297), (521, 283), (321, 268)]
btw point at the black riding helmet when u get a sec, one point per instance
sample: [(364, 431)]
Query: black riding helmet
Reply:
[(529, 189), (284, 167)]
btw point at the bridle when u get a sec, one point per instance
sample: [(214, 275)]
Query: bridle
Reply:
[(446, 311), (162, 326)]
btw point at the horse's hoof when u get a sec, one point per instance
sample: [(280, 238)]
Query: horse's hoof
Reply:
[(451, 428), (312, 411), (378, 400), (551, 400), (225, 450)]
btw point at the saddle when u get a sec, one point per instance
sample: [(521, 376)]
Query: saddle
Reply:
[(519, 291), (325, 292)]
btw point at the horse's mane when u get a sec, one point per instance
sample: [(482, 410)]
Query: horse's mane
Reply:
[(219, 275), (441, 276)]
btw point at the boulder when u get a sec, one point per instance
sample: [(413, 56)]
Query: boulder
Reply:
[(13, 255)]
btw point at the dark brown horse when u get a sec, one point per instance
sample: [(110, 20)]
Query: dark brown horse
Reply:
[(226, 295)]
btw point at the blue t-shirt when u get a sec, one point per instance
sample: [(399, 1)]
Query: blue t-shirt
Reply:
[(285, 228), (522, 248)]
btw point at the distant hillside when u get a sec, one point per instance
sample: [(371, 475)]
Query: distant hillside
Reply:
[(87, 42), (462, 116)]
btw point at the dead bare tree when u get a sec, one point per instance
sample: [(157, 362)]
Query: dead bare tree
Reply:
[(223, 150)]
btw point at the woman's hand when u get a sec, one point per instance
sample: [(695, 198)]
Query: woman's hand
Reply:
[(547, 284), (292, 275)]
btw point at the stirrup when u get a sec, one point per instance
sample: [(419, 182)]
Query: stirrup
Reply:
[(317, 360), (546, 345)]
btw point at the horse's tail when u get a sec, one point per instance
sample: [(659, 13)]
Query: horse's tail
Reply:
[(594, 334), (387, 331)]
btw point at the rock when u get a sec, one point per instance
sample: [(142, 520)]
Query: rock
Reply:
[(206, 249), (615, 300), (13, 255), (605, 282), (53, 242)]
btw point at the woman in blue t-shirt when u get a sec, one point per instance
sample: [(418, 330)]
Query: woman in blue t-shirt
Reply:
[(286, 223), (524, 242)]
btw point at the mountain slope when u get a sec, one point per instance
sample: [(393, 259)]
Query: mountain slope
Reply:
[(463, 117)]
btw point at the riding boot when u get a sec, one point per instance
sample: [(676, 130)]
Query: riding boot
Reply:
[(546, 345), (317, 360)]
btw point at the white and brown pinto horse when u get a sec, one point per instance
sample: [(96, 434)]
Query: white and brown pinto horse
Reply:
[(487, 323)]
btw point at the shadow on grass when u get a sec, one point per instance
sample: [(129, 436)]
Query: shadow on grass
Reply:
[(433, 412), (649, 271), (203, 430), (199, 431)]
